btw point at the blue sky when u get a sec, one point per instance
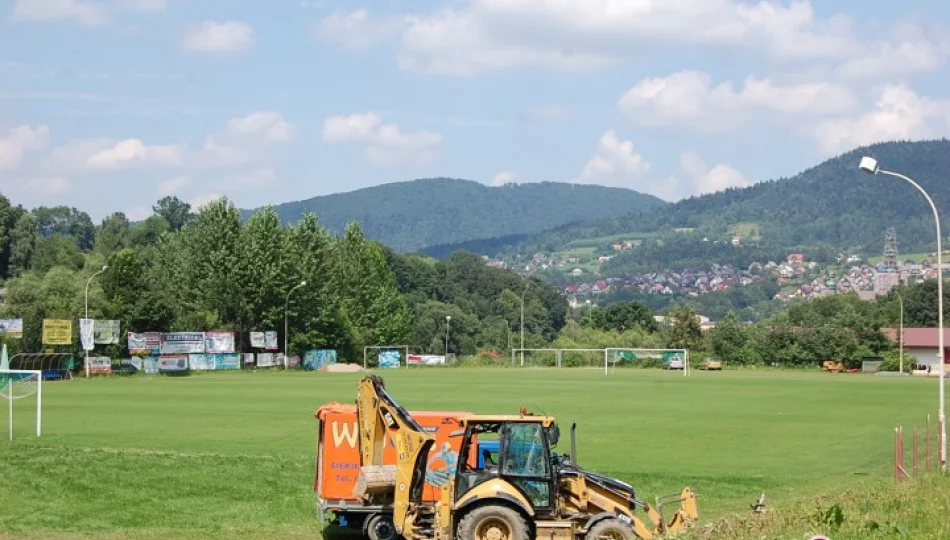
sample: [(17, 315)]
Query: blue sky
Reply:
[(108, 105)]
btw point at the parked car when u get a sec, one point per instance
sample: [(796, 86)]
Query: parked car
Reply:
[(674, 363), (711, 364)]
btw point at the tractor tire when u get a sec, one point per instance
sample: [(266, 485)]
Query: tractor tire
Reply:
[(380, 527), (611, 529), (493, 522)]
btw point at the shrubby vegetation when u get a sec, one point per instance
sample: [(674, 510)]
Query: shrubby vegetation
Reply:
[(185, 271)]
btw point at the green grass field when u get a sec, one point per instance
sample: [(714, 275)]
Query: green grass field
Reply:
[(231, 455)]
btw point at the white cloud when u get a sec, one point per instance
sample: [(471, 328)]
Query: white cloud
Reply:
[(201, 200), (82, 12), (78, 11), (702, 179), (616, 163), (244, 137), (566, 34), (18, 142), (898, 113), (133, 152), (173, 185), (144, 6), (356, 30), (138, 213), (386, 145), (688, 99), (504, 177), (219, 37), (46, 186)]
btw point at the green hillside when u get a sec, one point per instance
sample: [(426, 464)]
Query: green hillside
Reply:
[(413, 215), (832, 206)]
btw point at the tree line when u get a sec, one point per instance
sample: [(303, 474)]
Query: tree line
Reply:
[(211, 270)]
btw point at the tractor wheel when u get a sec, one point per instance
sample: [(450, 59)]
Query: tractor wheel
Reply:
[(493, 523), (380, 527), (611, 529)]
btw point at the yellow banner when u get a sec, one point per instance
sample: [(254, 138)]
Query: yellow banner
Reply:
[(57, 331)]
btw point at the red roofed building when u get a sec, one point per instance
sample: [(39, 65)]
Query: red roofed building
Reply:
[(922, 343)]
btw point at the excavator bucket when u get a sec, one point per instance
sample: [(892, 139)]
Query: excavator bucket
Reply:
[(687, 513)]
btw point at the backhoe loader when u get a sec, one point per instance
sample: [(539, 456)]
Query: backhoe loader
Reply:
[(524, 492)]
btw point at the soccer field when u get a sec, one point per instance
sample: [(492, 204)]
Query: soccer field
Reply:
[(231, 455)]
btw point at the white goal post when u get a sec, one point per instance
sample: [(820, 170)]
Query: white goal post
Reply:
[(403, 348), (18, 384), (611, 357)]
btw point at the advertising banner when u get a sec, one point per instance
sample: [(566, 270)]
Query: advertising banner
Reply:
[(100, 365), (201, 362), (148, 343), (87, 334), (219, 342), (57, 331), (174, 362), (182, 343), (265, 359), (107, 332), (257, 340), (137, 363), (270, 340), (388, 359), (226, 361), (293, 361), (13, 328), (316, 359), (425, 360), (150, 364), (248, 358)]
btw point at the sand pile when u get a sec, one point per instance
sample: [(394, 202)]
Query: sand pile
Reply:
[(342, 368)]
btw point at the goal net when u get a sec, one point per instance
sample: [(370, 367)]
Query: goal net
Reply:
[(675, 359), (385, 356), (581, 358), (534, 357), (16, 386)]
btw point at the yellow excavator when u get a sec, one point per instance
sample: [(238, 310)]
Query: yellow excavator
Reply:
[(520, 489)]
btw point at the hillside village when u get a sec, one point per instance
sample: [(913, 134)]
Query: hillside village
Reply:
[(798, 277)]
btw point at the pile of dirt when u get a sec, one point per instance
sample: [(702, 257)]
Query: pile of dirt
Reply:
[(342, 368)]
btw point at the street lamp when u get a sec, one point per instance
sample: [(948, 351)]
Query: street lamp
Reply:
[(526, 285), (901, 300), (590, 312), (448, 319), (870, 166), (104, 268), (286, 307)]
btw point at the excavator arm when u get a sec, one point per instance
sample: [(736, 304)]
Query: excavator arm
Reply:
[(379, 415)]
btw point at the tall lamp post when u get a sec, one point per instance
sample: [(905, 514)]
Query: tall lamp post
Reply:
[(104, 268), (448, 320), (869, 165), (526, 285), (901, 300), (508, 328), (286, 307)]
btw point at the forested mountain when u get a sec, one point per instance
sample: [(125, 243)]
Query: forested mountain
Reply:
[(409, 216), (832, 205)]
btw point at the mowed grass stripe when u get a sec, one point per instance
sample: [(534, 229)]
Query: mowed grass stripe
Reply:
[(228, 454)]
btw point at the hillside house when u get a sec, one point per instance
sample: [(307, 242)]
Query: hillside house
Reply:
[(922, 344)]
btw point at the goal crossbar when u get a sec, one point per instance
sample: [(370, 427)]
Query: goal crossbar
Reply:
[(367, 348), (9, 378)]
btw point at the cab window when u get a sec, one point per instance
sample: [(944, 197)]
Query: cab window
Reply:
[(524, 451)]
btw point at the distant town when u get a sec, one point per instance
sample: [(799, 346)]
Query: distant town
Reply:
[(798, 277)]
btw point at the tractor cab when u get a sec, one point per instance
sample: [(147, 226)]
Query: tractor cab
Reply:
[(513, 449)]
